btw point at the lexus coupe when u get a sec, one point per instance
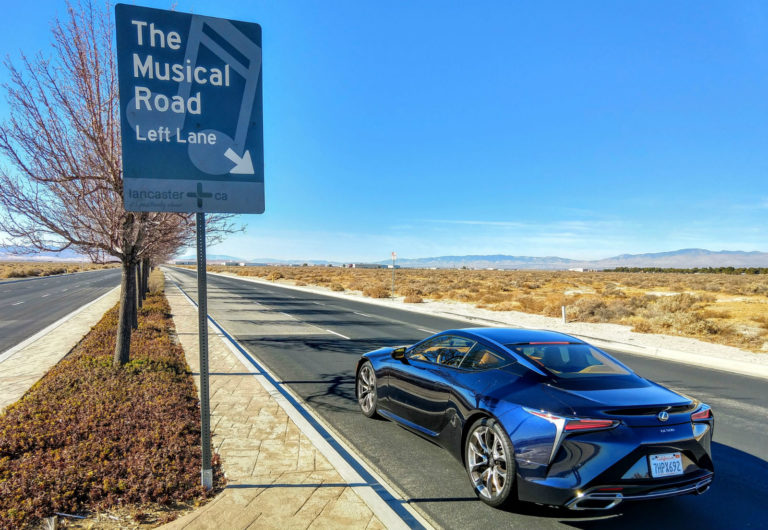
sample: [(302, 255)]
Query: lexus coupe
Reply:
[(543, 417)]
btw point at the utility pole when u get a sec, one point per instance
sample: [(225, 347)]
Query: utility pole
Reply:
[(394, 257)]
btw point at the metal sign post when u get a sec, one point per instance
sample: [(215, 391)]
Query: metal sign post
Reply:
[(191, 131), (202, 321)]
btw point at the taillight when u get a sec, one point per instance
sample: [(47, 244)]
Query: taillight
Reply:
[(589, 425), (574, 424), (704, 414)]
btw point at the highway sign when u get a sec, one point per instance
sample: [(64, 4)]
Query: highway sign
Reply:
[(190, 112)]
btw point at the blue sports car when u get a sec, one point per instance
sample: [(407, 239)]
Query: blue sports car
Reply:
[(543, 417)]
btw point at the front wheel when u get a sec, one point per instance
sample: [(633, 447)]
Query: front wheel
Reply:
[(490, 463), (367, 397)]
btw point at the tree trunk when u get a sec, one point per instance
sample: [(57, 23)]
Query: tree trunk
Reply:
[(123, 343), (132, 294), (145, 268), (139, 285)]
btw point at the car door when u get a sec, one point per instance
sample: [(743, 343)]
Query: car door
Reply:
[(419, 388)]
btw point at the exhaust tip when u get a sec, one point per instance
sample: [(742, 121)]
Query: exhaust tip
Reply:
[(595, 501), (703, 486)]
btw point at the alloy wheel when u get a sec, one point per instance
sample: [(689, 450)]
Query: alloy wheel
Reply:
[(366, 389), (487, 462)]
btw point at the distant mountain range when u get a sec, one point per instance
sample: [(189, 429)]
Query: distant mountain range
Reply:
[(18, 253), (680, 259)]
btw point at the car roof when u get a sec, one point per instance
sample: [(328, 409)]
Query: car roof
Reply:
[(518, 336)]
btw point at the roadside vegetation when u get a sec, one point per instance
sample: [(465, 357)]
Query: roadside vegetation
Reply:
[(31, 269), (723, 307), (90, 437)]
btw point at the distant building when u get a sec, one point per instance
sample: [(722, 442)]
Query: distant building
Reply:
[(364, 266)]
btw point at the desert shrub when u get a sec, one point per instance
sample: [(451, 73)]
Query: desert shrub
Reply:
[(588, 309), (276, 275), (413, 299), (337, 287), (377, 291), (683, 324), (677, 303), (493, 298), (530, 304)]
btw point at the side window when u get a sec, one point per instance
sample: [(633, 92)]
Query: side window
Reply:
[(481, 358), (423, 352), (447, 350)]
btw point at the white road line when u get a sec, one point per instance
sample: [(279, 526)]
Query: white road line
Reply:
[(339, 334), (361, 314), (64, 290), (17, 303), (318, 303), (49, 294), (427, 330)]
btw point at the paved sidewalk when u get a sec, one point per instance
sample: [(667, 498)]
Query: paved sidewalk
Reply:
[(276, 477), (21, 369)]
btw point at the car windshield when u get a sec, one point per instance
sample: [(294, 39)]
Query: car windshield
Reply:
[(569, 360)]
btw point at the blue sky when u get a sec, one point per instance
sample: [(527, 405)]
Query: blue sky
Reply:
[(577, 129)]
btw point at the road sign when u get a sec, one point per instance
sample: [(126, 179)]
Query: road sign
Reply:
[(190, 111)]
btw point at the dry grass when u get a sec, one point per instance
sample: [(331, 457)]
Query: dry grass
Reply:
[(30, 269), (721, 308)]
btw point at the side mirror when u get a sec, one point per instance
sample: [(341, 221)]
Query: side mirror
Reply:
[(399, 353)]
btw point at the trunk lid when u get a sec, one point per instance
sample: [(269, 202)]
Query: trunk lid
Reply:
[(631, 399)]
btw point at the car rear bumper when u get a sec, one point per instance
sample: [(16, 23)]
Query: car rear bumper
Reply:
[(599, 499)]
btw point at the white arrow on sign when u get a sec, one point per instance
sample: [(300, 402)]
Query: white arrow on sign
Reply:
[(243, 165)]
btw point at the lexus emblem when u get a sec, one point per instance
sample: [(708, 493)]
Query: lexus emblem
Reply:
[(663, 415)]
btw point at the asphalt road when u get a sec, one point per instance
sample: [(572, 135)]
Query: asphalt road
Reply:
[(30, 305), (312, 343)]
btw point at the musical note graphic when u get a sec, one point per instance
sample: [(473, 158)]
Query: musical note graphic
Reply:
[(228, 154)]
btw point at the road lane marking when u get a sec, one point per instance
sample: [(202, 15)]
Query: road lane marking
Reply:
[(427, 330), (64, 290), (17, 303), (362, 314), (318, 303), (339, 334), (49, 294)]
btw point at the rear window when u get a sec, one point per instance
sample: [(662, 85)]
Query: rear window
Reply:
[(569, 360)]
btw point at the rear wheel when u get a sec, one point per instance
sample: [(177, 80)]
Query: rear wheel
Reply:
[(367, 396), (490, 463)]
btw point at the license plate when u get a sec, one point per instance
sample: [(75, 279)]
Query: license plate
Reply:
[(666, 465)]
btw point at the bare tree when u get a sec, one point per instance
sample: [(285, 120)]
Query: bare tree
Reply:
[(63, 185)]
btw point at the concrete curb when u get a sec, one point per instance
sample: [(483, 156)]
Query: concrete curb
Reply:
[(756, 369)]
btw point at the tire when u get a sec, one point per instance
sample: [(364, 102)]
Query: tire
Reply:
[(366, 390), (494, 484)]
